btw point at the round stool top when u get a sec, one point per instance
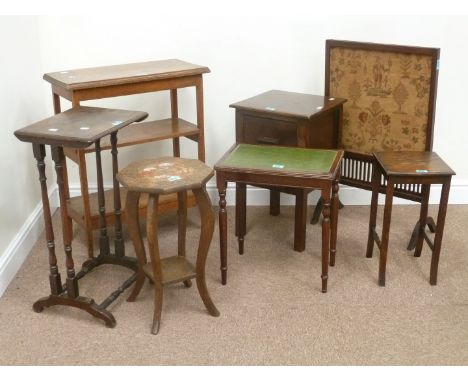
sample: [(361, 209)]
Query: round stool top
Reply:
[(165, 175)]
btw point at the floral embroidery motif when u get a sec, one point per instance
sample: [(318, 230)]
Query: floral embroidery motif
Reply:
[(388, 98)]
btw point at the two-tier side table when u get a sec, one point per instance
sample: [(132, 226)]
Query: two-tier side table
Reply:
[(120, 80), (78, 128), (283, 118), (282, 167)]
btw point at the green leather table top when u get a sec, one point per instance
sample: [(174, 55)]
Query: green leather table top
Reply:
[(280, 159)]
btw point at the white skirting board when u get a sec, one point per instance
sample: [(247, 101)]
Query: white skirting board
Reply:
[(19, 248), (21, 245)]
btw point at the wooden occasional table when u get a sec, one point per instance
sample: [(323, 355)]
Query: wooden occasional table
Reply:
[(402, 168), (157, 177), (283, 167), (118, 80), (79, 128), (288, 119)]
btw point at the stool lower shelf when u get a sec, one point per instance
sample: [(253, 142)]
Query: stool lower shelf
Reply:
[(173, 269)]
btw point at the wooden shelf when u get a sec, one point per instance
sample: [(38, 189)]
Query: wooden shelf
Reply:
[(173, 269), (167, 203), (151, 131)]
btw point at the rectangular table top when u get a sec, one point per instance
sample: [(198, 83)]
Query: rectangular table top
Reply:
[(420, 163), (78, 127), (290, 104), (281, 160), (86, 78)]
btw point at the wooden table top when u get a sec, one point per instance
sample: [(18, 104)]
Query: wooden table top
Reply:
[(76, 79), (78, 127), (299, 105), (165, 175), (281, 160), (420, 163)]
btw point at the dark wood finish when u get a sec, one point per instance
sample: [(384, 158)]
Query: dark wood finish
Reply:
[(290, 119), (281, 179), (241, 215), (221, 184), (176, 268), (117, 80), (356, 169), (66, 131), (403, 168)]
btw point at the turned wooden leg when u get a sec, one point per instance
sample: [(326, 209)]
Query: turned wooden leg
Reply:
[(54, 276), (425, 188), (86, 202), (241, 215), (439, 231), (300, 223), (386, 231), (373, 211), (325, 236), (334, 222), (206, 234), (72, 282), (275, 207), (153, 247), (223, 230), (133, 227), (118, 241), (182, 227), (103, 238)]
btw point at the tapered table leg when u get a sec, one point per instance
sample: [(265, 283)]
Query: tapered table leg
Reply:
[(325, 236), (222, 230), (386, 231), (334, 222), (426, 188), (376, 175), (439, 231), (241, 215)]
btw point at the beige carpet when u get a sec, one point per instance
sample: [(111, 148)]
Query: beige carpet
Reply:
[(272, 310)]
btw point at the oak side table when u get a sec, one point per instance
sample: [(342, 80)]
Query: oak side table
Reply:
[(394, 168), (282, 167), (157, 177), (288, 119), (120, 80), (78, 128)]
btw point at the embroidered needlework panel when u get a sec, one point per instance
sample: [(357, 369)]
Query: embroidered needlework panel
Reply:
[(388, 98)]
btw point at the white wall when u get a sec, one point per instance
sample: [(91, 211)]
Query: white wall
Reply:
[(21, 103), (250, 52)]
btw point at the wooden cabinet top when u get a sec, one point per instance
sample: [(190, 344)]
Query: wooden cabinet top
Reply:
[(299, 105), (123, 74), (78, 127)]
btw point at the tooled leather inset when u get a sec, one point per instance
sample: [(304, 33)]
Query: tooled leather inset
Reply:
[(388, 98)]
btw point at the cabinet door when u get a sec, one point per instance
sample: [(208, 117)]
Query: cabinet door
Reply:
[(260, 130)]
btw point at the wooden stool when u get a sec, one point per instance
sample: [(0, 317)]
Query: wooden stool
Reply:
[(159, 177), (408, 168)]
